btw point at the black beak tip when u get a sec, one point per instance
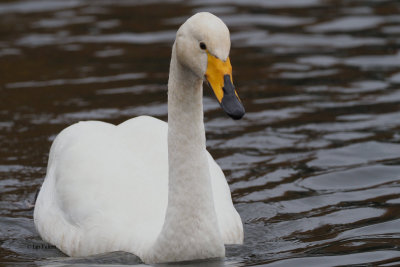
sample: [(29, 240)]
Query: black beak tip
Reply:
[(230, 102), (233, 109), (237, 114)]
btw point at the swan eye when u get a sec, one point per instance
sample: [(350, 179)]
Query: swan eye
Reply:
[(203, 46)]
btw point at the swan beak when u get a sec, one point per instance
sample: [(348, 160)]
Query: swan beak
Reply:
[(219, 78)]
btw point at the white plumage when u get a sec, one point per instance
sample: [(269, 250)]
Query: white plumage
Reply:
[(144, 186)]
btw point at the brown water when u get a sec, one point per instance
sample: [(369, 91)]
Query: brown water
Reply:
[(314, 166)]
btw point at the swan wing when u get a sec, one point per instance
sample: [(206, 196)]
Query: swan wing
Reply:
[(105, 188)]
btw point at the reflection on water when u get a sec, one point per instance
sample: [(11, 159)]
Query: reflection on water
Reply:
[(314, 166)]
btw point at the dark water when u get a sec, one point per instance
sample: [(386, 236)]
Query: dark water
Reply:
[(314, 167)]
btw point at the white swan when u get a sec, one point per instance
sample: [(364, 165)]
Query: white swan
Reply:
[(145, 186)]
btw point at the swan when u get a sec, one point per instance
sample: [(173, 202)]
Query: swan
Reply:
[(146, 186)]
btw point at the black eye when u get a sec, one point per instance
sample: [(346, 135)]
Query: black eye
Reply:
[(203, 46)]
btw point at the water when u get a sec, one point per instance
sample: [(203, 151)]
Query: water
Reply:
[(313, 167)]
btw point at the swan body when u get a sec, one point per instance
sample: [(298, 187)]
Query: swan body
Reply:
[(145, 186)]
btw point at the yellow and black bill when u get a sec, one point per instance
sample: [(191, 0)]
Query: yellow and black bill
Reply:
[(219, 77)]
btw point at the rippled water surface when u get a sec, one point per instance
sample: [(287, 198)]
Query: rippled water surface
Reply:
[(314, 166)]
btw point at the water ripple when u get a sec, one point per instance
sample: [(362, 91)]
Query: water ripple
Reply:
[(313, 166)]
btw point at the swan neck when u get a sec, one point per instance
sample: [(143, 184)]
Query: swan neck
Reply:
[(190, 229), (189, 175), (185, 102)]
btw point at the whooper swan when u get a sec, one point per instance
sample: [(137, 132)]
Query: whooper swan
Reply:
[(145, 186)]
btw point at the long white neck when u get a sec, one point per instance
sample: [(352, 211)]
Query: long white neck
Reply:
[(190, 230)]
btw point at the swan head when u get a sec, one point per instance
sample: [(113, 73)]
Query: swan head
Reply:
[(202, 45)]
